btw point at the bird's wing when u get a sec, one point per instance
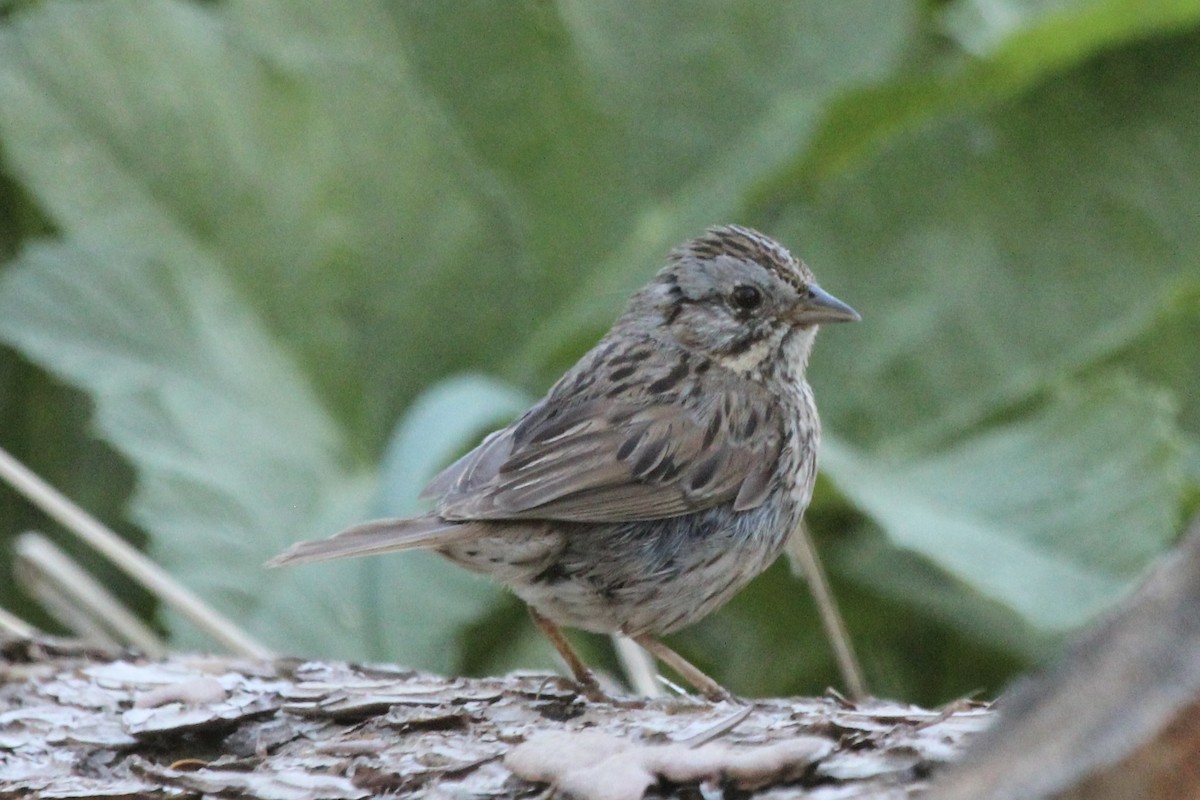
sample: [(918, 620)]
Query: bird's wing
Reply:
[(638, 455)]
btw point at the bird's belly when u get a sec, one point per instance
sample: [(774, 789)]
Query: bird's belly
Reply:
[(629, 602), (650, 577)]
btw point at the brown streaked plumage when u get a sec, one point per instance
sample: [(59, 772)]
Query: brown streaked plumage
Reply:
[(660, 473)]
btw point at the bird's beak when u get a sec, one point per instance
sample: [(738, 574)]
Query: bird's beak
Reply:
[(819, 305)]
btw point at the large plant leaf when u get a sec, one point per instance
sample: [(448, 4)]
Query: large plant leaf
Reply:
[(1024, 36), (311, 170), (994, 253), (617, 109), (636, 130), (1053, 515), (1167, 353), (183, 377), (1019, 245), (1005, 47)]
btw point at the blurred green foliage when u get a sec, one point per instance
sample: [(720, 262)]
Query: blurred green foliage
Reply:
[(249, 244)]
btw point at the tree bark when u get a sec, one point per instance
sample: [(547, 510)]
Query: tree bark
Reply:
[(81, 723)]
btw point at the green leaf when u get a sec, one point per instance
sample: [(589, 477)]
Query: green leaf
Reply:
[(617, 109), (991, 255), (1007, 47), (637, 130), (1166, 354), (687, 88), (1052, 516), (310, 168), (1032, 35), (237, 459), (189, 387)]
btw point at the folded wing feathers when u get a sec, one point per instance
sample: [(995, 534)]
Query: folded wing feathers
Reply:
[(587, 462), (641, 463)]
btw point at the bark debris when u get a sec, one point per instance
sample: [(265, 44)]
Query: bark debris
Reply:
[(82, 723)]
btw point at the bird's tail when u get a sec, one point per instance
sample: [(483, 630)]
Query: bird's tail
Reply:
[(375, 537)]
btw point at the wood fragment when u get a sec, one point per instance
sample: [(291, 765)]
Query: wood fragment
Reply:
[(1117, 716)]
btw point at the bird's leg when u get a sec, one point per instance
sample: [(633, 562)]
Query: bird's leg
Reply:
[(589, 687), (686, 669)]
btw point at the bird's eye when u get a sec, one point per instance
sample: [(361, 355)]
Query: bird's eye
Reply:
[(746, 297)]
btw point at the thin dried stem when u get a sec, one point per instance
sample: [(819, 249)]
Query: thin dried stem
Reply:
[(13, 625), (77, 599), (807, 562), (639, 667), (128, 559)]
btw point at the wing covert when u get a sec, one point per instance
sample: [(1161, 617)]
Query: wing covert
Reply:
[(638, 455)]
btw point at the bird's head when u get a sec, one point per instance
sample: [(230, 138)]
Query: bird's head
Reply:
[(741, 299)]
